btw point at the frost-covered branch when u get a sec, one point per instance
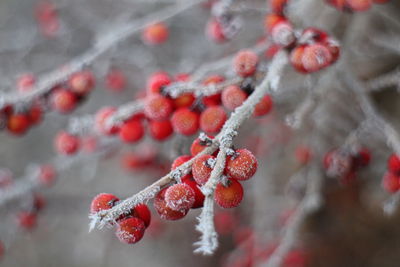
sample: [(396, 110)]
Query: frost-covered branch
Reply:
[(386, 80)]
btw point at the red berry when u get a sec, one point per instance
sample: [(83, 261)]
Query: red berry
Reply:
[(158, 107), (296, 58), (225, 222), (47, 17), (26, 220), (103, 201), (179, 197), (6, 177), (18, 124), (214, 31), (131, 131), (303, 154), (263, 107), (185, 122), (338, 163), (202, 167), (101, 118), (245, 63), (63, 100), (26, 82), (394, 164), (160, 130), (359, 5), (116, 80), (47, 175), (198, 195), (312, 35), (198, 146), (179, 161), (363, 157), (278, 6), (271, 20), (316, 57), (81, 83), (142, 212), (134, 161), (164, 211), (35, 114), (155, 34), (212, 119), (233, 97), (242, 165), (130, 230), (212, 100), (228, 196), (38, 202), (157, 81), (66, 144), (184, 100), (391, 182)]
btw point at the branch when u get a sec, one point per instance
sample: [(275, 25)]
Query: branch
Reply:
[(383, 81)]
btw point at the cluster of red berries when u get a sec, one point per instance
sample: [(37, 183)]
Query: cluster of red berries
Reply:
[(391, 179), (131, 226), (63, 98), (354, 5), (344, 164), (312, 51)]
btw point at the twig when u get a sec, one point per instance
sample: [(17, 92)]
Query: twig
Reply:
[(386, 80)]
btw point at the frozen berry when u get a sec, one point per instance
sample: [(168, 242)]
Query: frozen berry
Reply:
[(158, 107), (245, 63), (229, 195), (35, 114), (394, 164), (233, 97), (160, 130), (155, 34), (115, 80), (263, 107), (103, 201), (296, 58), (185, 122), (212, 119), (214, 31), (199, 145), (198, 195), (391, 182), (101, 121), (242, 165), (66, 144), (18, 124), (47, 175), (131, 131), (63, 100), (27, 220), (164, 211), (130, 230), (316, 57), (202, 168), (179, 161), (142, 212), (184, 100), (82, 82), (213, 100), (179, 197), (157, 81)]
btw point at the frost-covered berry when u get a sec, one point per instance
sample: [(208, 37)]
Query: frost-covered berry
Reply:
[(26, 82), (35, 114), (66, 144), (202, 167), (130, 230), (391, 182), (199, 145), (312, 35), (26, 220), (158, 107), (47, 174), (213, 100), (82, 82), (296, 58), (103, 201), (233, 97), (198, 195), (179, 197), (263, 107), (316, 57), (278, 6), (242, 165), (212, 119), (115, 80), (280, 30), (393, 164), (164, 211), (214, 31), (155, 34), (131, 131), (229, 195), (62, 100), (359, 5), (185, 122), (179, 161), (157, 81), (184, 100), (245, 63), (18, 124), (160, 130), (101, 118), (142, 212)]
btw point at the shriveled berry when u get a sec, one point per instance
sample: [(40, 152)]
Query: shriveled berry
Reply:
[(242, 165), (164, 211), (233, 97), (229, 195), (185, 122), (391, 182), (158, 107), (63, 100), (131, 131), (160, 130), (82, 82), (18, 124), (212, 119), (130, 230), (103, 201), (155, 34), (116, 80), (66, 144), (179, 197), (245, 63), (198, 195), (26, 220), (393, 164), (157, 81), (202, 167), (101, 118)]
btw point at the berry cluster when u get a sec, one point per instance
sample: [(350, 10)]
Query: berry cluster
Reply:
[(62, 98), (354, 5), (391, 179), (344, 164)]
